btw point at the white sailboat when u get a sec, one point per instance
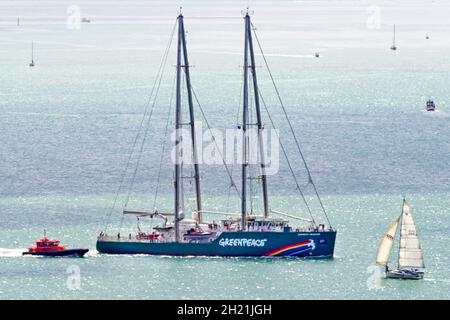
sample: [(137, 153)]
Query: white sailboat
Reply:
[(410, 257), (394, 47), (32, 54)]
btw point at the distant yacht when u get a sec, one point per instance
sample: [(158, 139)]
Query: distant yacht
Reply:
[(85, 20), (410, 257), (32, 54), (393, 47), (430, 105), (316, 54)]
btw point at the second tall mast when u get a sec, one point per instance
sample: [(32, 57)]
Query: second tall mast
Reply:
[(182, 54), (248, 47)]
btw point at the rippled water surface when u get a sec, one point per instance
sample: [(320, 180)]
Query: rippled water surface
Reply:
[(68, 125)]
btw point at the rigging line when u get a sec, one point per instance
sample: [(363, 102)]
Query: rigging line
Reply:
[(163, 145), (290, 126), (251, 169), (240, 102), (228, 198), (147, 126), (287, 159), (211, 18), (237, 124), (249, 149), (137, 136), (215, 142)]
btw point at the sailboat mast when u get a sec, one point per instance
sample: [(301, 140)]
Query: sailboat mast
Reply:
[(192, 121), (178, 133), (400, 237), (393, 44), (258, 118), (244, 128)]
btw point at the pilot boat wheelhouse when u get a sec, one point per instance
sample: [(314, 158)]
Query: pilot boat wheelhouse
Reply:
[(237, 233)]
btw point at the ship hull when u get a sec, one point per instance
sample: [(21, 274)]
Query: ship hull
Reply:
[(233, 244), (404, 274), (59, 253)]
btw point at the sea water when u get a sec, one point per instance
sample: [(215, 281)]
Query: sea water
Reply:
[(69, 123)]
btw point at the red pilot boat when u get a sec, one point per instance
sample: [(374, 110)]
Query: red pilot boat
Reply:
[(51, 248)]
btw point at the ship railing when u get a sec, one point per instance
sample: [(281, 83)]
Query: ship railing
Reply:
[(120, 238)]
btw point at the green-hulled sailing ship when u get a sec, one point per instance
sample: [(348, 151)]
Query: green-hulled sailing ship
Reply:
[(245, 233)]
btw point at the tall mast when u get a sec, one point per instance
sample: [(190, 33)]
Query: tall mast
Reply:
[(182, 54), (248, 47), (32, 51), (400, 235), (192, 121), (32, 54), (178, 133), (244, 128), (258, 119)]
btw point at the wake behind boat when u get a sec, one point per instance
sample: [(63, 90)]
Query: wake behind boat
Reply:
[(410, 257), (244, 233)]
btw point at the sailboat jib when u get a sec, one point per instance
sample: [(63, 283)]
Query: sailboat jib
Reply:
[(410, 254), (384, 251)]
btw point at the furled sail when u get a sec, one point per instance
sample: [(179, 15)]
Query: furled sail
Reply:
[(410, 254), (384, 251)]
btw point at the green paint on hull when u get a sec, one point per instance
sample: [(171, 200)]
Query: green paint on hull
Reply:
[(233, 244)]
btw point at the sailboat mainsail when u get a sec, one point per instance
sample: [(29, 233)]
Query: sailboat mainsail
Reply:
[(384, 251), (410, 253)]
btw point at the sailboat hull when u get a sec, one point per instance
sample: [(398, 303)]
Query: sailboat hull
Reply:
[(404, 274), (232, 244)]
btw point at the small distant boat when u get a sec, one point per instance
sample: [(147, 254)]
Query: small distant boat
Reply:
[(393, 47), (85, 20), (32, 54), (427, 37), (51, 248), (316, 54), (430, 105), (410, 257)]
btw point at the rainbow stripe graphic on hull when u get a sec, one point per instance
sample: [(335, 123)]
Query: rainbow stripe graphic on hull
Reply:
[(292, 250)]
